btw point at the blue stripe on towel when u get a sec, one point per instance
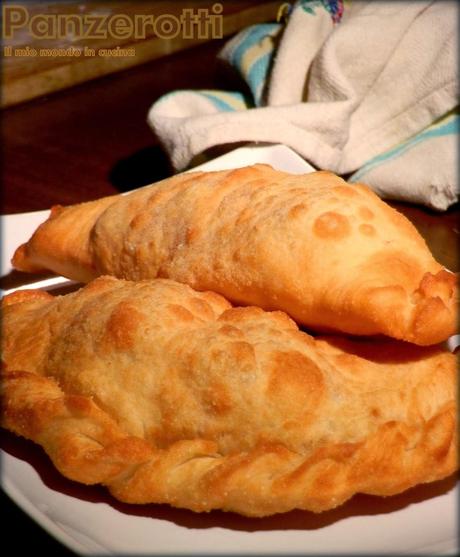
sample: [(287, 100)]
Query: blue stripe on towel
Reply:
[(255, 34), (257, 75), (451, 126), (221, 104)]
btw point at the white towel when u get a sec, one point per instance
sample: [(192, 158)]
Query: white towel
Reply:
[(373, 95)]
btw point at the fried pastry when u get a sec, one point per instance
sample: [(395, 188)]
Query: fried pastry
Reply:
[(333, 256), (168, 395)]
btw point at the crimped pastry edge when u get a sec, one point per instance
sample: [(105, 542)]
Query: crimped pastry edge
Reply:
[(192, 474)]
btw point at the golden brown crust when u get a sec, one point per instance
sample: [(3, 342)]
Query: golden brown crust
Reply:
[(333, 256), (67, 246), (169, 395)]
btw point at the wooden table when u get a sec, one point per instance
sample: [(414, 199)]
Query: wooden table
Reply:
[(93, 140)]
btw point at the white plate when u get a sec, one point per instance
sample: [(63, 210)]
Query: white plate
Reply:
[(89, 521)]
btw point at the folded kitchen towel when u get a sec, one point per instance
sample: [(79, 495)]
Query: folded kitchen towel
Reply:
[(369, 89), (423, 169)]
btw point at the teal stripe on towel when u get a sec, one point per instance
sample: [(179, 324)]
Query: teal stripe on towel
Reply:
[(255, 34), (258, 74), (222, 105), (450, 127), (236, 42)]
